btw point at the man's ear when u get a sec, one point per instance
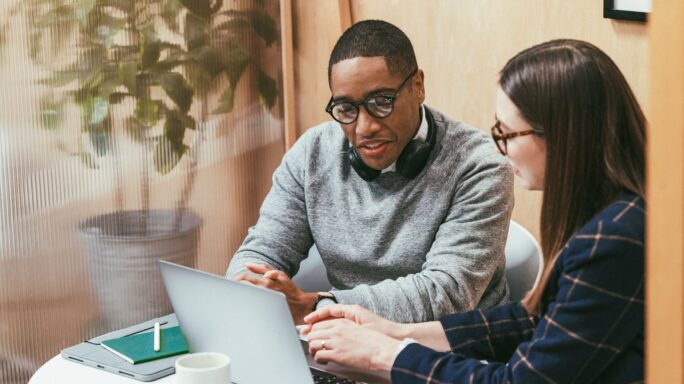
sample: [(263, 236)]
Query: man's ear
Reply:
[(419, 86)]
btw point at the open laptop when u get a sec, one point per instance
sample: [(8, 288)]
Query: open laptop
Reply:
[(250, 324)]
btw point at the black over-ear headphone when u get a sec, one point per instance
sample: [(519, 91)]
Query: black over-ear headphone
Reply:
[(411, 161)]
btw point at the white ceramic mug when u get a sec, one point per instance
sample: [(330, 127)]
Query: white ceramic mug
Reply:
[(203, 368)]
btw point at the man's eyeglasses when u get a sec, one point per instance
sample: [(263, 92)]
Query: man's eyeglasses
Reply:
[(501, 139), (378, 106)]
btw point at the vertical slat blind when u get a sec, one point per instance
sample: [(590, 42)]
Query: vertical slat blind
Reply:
[(63, 269)]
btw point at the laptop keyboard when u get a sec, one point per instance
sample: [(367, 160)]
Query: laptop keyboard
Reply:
[(321, 377)]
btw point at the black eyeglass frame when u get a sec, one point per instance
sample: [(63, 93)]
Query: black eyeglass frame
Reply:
[(501, 139), (357, 104)]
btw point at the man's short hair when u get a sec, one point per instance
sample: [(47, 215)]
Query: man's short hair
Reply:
[(372, 38)]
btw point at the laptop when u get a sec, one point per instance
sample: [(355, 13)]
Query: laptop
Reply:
[(253, 326)]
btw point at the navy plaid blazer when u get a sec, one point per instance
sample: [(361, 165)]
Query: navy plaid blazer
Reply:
[(591, 331)]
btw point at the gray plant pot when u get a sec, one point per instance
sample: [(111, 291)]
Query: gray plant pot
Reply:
[(123, 256)]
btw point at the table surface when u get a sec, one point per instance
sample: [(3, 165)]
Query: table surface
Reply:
[(60, 371)]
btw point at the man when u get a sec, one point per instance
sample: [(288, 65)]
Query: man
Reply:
[(408, 209)]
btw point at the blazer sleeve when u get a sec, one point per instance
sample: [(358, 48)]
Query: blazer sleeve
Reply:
[(595, 314), (491, 335)]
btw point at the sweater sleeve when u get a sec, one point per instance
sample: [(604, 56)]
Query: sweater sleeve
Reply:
[(464, 266), (594, 317), (281, 236)]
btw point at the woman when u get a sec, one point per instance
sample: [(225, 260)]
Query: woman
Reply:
[(570, 126)]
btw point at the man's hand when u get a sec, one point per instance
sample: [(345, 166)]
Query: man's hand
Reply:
[(300, 302)]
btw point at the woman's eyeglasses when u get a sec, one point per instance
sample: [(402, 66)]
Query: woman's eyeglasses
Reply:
[(501, 138), (378, 106)]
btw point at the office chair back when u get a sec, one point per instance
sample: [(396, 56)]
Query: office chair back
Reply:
[(523, 263), (312, 276)]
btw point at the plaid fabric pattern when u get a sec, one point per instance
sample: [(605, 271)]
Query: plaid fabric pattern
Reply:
[(592, 329)]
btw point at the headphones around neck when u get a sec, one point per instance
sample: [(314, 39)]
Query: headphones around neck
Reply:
[(411, 161)]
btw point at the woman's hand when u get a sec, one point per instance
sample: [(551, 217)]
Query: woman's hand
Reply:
[(344, 341), (358, 315)]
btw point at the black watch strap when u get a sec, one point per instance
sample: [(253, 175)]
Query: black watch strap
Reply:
[(323, 296)]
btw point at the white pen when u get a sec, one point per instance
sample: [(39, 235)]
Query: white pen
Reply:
[(157, 337)]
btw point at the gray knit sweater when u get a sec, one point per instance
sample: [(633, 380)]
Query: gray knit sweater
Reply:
[(409, 250)]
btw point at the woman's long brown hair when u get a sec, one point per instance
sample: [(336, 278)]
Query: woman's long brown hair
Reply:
[(575, 96)]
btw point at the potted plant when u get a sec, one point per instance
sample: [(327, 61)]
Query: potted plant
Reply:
[(145, 71)]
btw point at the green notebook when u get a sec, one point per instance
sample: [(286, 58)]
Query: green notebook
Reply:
[(140, 348)]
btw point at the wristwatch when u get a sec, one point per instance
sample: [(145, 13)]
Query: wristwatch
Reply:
[(323, 297)]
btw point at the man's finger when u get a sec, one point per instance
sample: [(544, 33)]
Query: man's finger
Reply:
[(258, 268), (256, 280), (275, 275)]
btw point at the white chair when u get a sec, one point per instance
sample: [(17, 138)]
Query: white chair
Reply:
[(523, 261), (312, 276)]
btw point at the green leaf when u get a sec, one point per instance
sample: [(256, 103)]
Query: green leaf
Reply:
[(92, 79), (51, 113), (210, 59), (104, 28), (167, 155), (126, 6), (127, 72), (59, 78), (88, 160), (186, 120), (3, 33), (150, 48), (4, 27), (234, 24), (199, 8), (174, 129), (177, 88), (117, 97), (60, 14), (226, 102), (264, 26), (166, 65), (195, 33), (171, 9), (268, 91), (94, 109), (147, 112), (236, 62), (50, 32)]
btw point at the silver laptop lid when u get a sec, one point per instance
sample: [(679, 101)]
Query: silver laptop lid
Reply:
[(252, 325)]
